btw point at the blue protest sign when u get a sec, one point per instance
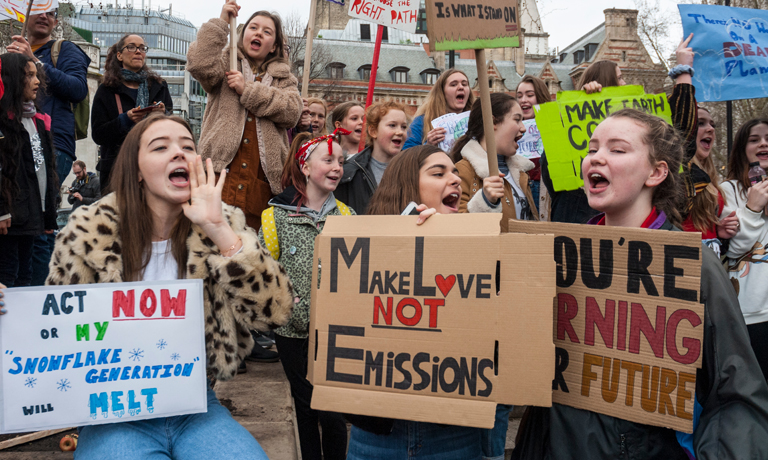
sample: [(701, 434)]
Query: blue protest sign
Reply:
[(731, 47)]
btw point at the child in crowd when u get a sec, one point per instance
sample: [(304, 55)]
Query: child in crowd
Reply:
[(572, 206), (349, 116), (386, 125), (165, 221), (28, 182), (708, 201), (261, 99), (288, 230), (532, 91), (631, 177), (510, 196), (747, 251), (317, 113), (450, 94), (426, 175)]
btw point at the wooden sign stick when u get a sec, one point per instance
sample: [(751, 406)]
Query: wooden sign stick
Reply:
[(31, 437), (485, 104), (233, 43), (310, 37), (26, 19)]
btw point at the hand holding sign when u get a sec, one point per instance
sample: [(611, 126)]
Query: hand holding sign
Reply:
[(229, 10)]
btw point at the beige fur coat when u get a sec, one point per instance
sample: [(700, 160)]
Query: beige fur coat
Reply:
[(247, 291), (275, 101)]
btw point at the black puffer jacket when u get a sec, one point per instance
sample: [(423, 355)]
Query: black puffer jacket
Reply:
[(729, 387), (107, 128), (357, 184), (27, 214)]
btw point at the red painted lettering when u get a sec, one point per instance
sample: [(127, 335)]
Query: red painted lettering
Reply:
[(378, 308), (176, 305), (433, 304), (148, 295), (641, 324), (413, 320), (693, 346), (567, 309), (604, 323), (121, 301)]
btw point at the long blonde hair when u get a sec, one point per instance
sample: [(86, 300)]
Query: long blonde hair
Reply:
[(436, 105)]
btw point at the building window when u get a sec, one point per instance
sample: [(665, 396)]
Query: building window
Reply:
[(624, 56), (421, 24), (365, 72), (578, 57), (365, 32), (399, 74), (429, 77), (590, 51), (336, 71), (384, 35)]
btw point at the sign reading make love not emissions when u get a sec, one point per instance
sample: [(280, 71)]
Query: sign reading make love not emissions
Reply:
[(101, 353)]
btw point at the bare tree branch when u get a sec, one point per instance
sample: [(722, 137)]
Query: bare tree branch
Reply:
[(295, 34)]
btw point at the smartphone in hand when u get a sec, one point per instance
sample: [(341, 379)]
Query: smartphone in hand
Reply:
[(148, 108), (410, 210)]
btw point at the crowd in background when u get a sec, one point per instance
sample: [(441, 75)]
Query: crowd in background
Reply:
[(270, 168)]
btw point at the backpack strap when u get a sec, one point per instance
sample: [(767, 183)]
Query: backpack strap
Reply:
[(119, 104), (343, 208), (269, 231), (55, 50)]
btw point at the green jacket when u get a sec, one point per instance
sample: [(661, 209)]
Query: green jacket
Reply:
[(296, 234)]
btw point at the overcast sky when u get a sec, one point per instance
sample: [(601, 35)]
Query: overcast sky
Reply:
[(564, 20)]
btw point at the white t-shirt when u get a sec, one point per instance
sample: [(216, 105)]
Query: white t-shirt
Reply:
[(162, 266)]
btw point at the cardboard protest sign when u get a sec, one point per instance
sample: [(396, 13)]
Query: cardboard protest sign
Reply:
[(461, 26), (731, 51), (455, 125), (399, 14), (530, 146), (628, 325), (101, 353), (17, 9), (566, 125), (406, 321)]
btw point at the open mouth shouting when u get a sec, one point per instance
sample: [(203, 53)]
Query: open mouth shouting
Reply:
[(256, 44), (762, 155), (397, 142), (451, 201), (597, 182), (179, 177), (706, 143)]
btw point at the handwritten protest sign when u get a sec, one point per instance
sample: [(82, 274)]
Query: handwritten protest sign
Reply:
[(460, 25), (455, 125), (566, 125), (400, 14), (16, 9), (628, 325), (416, 323), (530, 146), (101, 353), (731, 51)]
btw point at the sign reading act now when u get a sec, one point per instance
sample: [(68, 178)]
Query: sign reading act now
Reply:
[(435, 323)]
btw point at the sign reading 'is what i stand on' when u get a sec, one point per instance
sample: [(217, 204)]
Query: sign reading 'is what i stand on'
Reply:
[(628, 325), (456, 25), (101, 353)]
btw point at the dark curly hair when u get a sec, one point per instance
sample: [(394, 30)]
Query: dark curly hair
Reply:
[(113, 76)]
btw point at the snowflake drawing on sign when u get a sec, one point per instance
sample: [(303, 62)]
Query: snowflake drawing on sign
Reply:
[(63, 385), (136, 354), (30, 382), (161, 344), (175, 356)]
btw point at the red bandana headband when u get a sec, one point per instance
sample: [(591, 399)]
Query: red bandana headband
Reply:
[(308, 147)]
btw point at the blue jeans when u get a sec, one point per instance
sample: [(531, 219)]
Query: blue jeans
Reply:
[(416, 441), (495, 439), (212, 435), (41, 257), (535, 186), (63, 165)]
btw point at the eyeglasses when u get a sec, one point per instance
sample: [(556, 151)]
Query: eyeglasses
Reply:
[(132, 48), (52, 14)]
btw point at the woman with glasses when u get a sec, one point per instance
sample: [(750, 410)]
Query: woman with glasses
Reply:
[(128, 93)]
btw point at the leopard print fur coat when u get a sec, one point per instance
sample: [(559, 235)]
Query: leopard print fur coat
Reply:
[(247, 291)]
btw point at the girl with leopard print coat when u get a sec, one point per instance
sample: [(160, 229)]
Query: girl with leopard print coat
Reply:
[(166, 221)]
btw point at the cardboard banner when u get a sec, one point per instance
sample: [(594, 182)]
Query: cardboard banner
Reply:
[(731, 48), (461, 26), (530, 146), (566, 125), (434, 323), (455, 125), (628, 325), (101, 353), (17, 9), (398, 14)]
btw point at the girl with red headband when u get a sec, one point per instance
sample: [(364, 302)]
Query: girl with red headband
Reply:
[(288, 229)]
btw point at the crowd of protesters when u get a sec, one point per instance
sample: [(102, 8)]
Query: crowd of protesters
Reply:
[(270, 167)]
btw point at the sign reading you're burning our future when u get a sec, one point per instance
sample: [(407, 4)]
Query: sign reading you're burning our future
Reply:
[(428, 323), (566, 125), (101, 353), (628, 325)]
